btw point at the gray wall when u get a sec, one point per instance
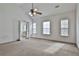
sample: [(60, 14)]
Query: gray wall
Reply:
[(77, 25), (55, 27), (10, 14)]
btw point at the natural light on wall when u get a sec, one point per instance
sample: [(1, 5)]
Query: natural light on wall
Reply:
[(46, 27), (64, 27)]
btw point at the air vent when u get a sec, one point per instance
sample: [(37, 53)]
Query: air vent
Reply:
[(57, 6)]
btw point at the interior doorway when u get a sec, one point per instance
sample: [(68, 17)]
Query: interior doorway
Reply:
[(24, 30)]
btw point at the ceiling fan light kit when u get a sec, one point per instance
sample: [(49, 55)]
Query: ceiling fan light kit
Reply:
[(34, 11)]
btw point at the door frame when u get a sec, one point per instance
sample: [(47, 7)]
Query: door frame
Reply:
[(19, 29)]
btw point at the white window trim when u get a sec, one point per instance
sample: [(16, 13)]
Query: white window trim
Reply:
[(49, 28), (64, 28), (33, 28)]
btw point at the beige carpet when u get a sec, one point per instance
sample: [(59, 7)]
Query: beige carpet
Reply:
[(37, 47), (54, 48)]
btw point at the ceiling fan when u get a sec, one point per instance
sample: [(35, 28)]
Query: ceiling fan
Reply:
[(34, 11)]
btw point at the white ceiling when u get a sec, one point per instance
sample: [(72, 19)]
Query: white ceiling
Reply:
[(49, 8)]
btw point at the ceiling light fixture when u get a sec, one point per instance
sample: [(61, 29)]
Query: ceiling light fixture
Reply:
[(34, 11)]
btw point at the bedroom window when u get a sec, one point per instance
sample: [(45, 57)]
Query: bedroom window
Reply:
[(64, 27), (46, 27), (34, 28)]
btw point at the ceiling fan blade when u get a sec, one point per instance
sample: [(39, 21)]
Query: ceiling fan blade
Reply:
[(39, 13), (31, 10)]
